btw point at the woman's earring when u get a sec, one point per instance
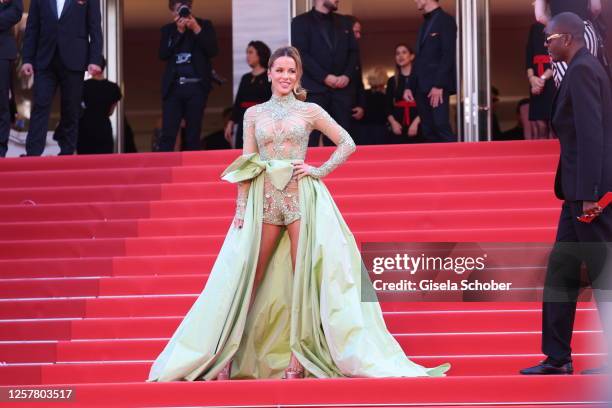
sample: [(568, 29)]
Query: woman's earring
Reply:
[(269, 79)]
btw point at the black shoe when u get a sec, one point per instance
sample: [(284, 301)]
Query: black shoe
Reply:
[(547, 367), (604, 369)]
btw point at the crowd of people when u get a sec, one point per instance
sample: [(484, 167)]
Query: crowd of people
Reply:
[(412, 106)]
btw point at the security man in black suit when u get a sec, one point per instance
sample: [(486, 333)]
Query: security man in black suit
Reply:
[(63, 39), (10, 14), (329, 54), (359, 94), (187, 45), (582, 121), (433, 78)]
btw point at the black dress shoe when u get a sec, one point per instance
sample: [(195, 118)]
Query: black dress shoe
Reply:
[(547, 367), (599, 370)]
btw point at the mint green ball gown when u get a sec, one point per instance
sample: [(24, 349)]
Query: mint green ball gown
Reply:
[(314, 311)]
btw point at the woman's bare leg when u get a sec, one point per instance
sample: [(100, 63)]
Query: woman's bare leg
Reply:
[(269, 238), (295, 369)]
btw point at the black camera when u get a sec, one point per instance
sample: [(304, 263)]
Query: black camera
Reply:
[(184, 11)]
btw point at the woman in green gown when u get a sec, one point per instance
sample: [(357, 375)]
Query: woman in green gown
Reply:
[(284, 297)]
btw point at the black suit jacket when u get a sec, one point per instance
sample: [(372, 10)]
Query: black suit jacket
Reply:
[(582, 119), (10, 14), (357, 79), (321, 55), (203, 47), (435, 63), (76, 35)]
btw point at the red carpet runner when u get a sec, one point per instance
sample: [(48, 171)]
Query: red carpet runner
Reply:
[(101, 256)]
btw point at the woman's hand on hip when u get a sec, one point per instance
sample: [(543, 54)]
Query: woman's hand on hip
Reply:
[(302, 170)]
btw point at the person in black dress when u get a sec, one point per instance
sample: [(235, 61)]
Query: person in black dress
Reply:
[(585, 9), (542, 88), (100, 97), (253, 90), (373, 126), (402, 114)]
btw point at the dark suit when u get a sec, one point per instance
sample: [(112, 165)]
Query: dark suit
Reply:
[(582, 121), (186, 101), (60, 49), (435, 66), (327, 46), (357, 129), (10, 14)]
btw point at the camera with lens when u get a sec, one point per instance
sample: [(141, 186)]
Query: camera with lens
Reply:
[(184, 11)]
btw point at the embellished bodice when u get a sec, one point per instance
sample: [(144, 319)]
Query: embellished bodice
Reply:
[(279, 130), (282, 126)]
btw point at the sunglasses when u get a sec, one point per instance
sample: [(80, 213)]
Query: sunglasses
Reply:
[(553, 37)]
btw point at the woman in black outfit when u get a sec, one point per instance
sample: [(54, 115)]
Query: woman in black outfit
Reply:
[(542, 88), (373, 128), (253, 89), (100, 97), (401, 114), (586, 9)]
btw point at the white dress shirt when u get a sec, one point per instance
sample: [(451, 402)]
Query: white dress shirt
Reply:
[(60, 7)]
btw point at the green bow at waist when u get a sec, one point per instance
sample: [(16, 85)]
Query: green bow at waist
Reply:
[(249, 166)]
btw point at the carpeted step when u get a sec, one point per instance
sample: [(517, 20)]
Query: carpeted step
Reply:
[(414, 344), (397, 322), (459, 391), (215, 207), (362, 221), (337, 186), (224, 157), (111, 372)]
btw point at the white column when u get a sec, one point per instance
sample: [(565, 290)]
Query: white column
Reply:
[(112, 27), (474, 90), (268, 21)]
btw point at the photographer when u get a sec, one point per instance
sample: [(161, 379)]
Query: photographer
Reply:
[(187, 44)]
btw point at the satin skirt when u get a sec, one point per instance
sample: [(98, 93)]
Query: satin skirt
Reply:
[(315, 312)]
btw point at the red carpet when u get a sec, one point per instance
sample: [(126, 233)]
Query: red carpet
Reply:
[(100, 257)]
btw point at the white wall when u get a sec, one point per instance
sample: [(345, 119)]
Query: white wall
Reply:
[(256, 20)]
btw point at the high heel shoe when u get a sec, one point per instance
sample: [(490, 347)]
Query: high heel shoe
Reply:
[(225, 373), (295, 370), (292, 373)]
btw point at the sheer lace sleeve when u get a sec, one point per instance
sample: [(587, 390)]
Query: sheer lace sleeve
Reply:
[(330, 128), (249, 146)]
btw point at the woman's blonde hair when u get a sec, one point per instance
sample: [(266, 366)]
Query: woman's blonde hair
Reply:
[(377, 77), (291, 52)]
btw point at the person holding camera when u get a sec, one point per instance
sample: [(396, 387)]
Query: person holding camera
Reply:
[(187, 45)]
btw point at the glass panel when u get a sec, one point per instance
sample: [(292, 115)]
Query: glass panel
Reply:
[(474, 117)]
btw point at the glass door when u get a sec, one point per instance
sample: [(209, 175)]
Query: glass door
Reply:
[(473, 61)]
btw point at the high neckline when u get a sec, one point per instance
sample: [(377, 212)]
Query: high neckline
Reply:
[(284, 100)]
